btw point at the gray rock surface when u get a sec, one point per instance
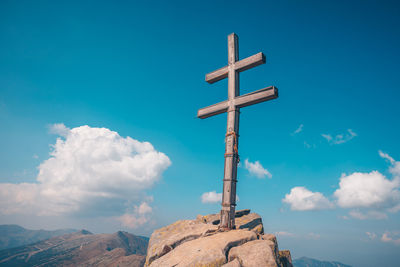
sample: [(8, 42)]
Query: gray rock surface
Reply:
[(199, 243)]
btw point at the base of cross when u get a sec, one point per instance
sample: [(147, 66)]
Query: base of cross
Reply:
[(227, 219), (225, 229)]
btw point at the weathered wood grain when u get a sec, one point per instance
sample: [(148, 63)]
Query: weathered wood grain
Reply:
[(256, 97), (213, 110), (250, 62)]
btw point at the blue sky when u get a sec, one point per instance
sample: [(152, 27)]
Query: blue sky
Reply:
[(137, 70)]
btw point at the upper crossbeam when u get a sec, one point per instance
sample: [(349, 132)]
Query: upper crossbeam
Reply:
[(239, 66)]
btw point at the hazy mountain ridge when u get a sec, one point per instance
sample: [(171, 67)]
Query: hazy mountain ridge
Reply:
[(83, 248), (12, 235), (308, 262), (80, 249)]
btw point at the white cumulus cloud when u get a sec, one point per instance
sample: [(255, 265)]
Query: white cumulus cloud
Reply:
[(302, 199), (257, 169), (370, 195), (211, 197), (368, 190), (340, 138), (89, 169)]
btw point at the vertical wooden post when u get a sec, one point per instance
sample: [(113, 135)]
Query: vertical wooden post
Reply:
[(232, 138), (232, 107)]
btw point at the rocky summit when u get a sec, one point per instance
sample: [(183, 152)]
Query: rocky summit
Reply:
[(200, 243)]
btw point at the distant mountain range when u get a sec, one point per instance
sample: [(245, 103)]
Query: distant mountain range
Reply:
[(12, 235), (81, 248), (69, 247), (308, 262)]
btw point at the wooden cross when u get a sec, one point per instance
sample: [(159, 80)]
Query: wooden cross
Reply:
[(232, 107)]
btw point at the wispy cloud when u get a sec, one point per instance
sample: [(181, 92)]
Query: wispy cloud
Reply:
[(314, 236), (340, 138), (395, 165), (371, 214), (298, 130), (307, 145), (257, 169), (213, 197), (59, 129), (386, 156), (284, 233), (371, 235), (391, 237)]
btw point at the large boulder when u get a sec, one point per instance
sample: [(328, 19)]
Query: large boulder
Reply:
[(205, 251), (167, 238), (254, 253), (200, 242)]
